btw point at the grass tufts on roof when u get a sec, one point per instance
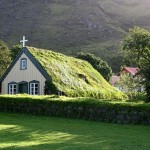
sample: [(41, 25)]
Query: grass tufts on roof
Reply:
[(73, 76)]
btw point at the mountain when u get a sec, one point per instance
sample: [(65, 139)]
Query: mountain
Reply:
[(71, 26)]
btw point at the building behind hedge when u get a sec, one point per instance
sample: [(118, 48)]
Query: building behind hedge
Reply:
[(37, 72), (24, 75)]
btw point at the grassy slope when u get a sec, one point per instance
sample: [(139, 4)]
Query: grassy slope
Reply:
[(25, 132), (70, 26), (65, 72)]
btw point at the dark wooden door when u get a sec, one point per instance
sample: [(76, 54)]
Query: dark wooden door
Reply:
[(23, 88)]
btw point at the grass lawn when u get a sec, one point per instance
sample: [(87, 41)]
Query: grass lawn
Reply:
[(25, 132)]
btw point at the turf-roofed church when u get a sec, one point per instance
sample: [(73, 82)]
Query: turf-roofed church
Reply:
[(37, 72), (24, 75)]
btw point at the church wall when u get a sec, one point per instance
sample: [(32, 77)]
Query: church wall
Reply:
[(17, 75)]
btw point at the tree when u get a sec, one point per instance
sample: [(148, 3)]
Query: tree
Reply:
[(100, 65), (136, 50), (15, 50), (127, 83), (5, 57)]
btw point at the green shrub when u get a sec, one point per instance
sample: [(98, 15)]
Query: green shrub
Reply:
[(50, 88), (136, 96), (79, 108)]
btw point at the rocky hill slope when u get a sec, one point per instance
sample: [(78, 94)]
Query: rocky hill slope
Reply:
[(70, 26)]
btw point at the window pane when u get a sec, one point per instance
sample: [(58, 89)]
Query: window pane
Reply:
[(15, 91), (33, 88), (12, 89), (23, 64)]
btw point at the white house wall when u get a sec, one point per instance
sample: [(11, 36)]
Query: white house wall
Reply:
[(17, 75)]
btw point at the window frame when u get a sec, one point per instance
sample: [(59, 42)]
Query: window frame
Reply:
[(34, 87), (23, 62), (12, 88)]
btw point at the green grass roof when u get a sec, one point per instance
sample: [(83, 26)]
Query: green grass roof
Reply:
[(67, 75)]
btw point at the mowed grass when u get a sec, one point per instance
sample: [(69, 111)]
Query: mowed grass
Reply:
[(25, 132)]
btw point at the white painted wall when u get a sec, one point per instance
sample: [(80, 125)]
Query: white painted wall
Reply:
[(17, 75)]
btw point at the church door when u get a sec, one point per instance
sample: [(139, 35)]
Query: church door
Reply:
[(23, 88)]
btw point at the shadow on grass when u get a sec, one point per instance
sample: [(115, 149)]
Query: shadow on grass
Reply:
[(25, 132)]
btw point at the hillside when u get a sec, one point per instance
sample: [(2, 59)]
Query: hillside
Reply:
[(73, 76), (70, 26)]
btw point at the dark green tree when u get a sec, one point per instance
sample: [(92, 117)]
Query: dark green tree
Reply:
[(15, 50), (136, 50), (100, 65), (5, 57)]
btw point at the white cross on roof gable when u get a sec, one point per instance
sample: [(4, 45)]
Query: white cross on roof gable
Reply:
[(23, 41)]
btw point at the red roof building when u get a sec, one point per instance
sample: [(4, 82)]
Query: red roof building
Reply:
[(131, 70)]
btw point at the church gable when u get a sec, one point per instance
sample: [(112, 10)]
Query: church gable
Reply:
[(23, 72), (23, 57)]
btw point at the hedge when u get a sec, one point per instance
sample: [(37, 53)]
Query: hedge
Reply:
[(88, 109)]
